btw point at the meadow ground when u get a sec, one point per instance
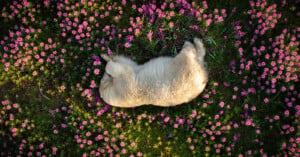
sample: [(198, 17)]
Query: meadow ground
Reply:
[(50, 71)]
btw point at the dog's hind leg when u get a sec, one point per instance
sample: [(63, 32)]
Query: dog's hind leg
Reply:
[(200, 48)]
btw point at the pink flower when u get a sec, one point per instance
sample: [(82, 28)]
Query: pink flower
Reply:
[(123, 2), (7, 64), (192, 147), (208, 22), (38, 154), (84, 23), (133, 6), (96, 71), (14, 130), (234, 97), (91, 18), (5, 102), (34, 73), (248, 122), (276, 117), (132, 144), (149, 35), (171, 5), (122, 144), (171, 24), (216, 116), (41, 146), (54, 149), (15, 105), (8, 107), (88, 134), (258, 131), (93, 84), (166, 119), (136, 32), (287, 113), (49, 40), (62, 87), (127, 45), (55, 131), (266, 100), (221, 104), (139, 154), (181, 11)]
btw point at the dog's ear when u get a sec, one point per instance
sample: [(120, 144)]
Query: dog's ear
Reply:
[(106, 57), (114, 69)]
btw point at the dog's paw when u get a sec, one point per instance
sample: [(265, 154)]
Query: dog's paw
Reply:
[(200, 47), (187, 44)]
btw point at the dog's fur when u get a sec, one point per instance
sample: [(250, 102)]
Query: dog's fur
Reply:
[(163, 81)]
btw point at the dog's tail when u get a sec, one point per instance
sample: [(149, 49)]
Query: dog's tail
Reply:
[(199, 48)]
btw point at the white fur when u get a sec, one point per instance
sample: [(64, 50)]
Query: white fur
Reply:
[(163, 81)]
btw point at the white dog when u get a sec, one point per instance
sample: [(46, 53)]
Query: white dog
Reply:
[(163, 81)]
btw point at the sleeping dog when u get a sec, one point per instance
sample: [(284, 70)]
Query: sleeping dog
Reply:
[(162, 81)]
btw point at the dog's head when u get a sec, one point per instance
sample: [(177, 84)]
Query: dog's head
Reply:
[(117, 79)]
